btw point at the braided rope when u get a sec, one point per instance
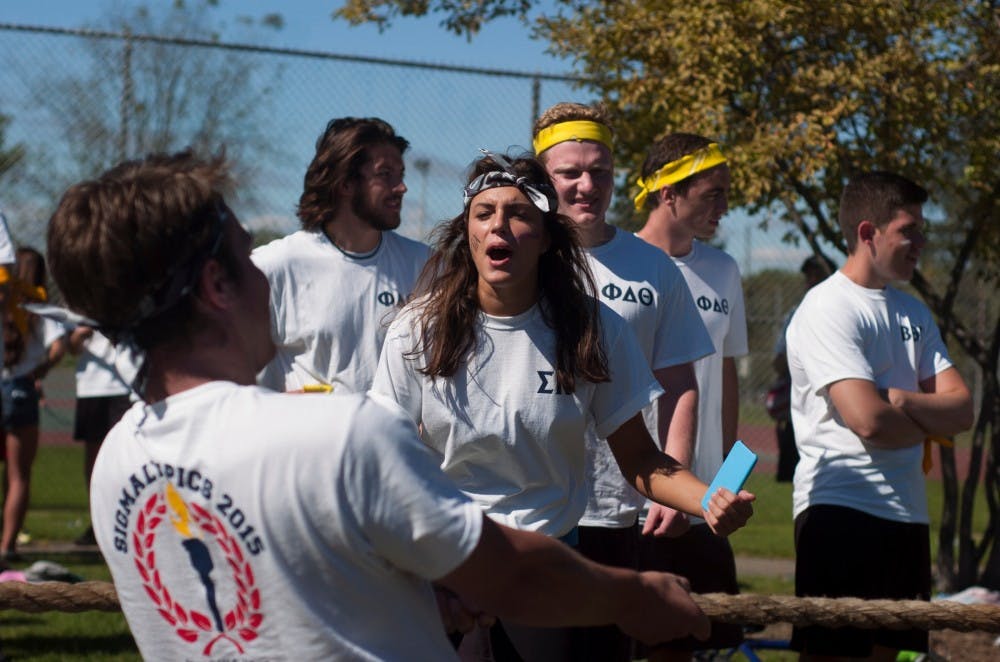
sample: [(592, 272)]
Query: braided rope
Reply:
[(850, 612), (746, 608)]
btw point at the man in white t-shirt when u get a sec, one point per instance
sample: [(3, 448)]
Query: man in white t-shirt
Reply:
[(574, 142), (221, 546), (102, 397), (685, 186), (871, 383), (337, 283)]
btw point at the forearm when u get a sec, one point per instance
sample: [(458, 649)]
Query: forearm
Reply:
[(891, 429), (677, 412), (943, 414), (867, 414), (537, 580), (730, 404), (660, 478)]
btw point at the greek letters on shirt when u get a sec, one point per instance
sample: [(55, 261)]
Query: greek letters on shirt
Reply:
[(910, 332), (159, 477), (614, 292), (549, 384), (390, 299), (714, 305)]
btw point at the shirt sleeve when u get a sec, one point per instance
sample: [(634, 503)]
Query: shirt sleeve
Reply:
[(412, 515), (735, 342), (681, 336), (827, 347), (396, 376), (7, 255), (632, 385), (51, 331), (933, 357)]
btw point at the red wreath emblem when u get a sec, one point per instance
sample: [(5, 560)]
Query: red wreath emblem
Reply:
[(243, 619)]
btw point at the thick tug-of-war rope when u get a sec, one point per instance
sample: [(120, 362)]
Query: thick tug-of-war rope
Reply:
[(746, 608)]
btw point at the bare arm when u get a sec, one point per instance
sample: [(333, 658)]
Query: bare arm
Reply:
[(677, 411), (662, 479), (677, 422), (873, 419), (53, 355), (943, 407), (78, 338), (529, 578), (730, 404)]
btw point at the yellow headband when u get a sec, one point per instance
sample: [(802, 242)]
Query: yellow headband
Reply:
[(575, 130), (679, 170)]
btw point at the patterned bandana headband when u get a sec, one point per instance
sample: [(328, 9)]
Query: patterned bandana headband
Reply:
[(679, 170), (575, 130), (541, 195)]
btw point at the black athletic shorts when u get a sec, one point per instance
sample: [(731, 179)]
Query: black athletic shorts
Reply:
[(20, 402), (617, 548), (843, 552), (708, 563), (96, 416)]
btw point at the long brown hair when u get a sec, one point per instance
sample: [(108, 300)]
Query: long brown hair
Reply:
[(450, 306), (340, 153), (29, 274)]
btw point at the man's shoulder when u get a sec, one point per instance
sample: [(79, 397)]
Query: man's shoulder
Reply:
[(906, 300), (715, 258), (406, 246), (285, 249), (633, 254)]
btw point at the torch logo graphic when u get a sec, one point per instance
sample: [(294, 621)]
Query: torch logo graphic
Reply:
[(191, 524), (201, 559)]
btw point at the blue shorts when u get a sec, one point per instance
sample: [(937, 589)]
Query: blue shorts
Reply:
[(19, 399)]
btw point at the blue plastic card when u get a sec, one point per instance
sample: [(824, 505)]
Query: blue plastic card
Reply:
[(733, 472)]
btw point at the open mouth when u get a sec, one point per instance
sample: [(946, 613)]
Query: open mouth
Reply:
[(498, 254)]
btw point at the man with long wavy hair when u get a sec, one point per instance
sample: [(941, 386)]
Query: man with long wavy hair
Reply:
[(338, 282)]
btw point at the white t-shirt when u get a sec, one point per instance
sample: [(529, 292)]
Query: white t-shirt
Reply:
[(98, 369), (42, 333), (502, 429), (640, 283), (7, 254), (330, 311), (714, 280), (844, 331), (317, 521)]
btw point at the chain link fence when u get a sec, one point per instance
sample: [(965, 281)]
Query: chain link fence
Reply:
[(79, 101)]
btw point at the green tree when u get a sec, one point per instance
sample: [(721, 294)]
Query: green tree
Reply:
[(9, 156), (803, 95)]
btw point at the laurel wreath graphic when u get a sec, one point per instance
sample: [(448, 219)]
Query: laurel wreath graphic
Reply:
[(190, 625)]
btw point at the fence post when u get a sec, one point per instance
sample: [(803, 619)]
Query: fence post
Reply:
[(126, 103), (536, 100)]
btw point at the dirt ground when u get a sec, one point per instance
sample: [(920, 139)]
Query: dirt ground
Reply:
[(961, 646), (946, 645)]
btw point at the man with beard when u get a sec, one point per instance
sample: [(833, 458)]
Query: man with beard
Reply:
[(338, 282)]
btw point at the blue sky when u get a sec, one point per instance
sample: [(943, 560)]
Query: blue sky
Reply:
[(502, 44), (309, 25)]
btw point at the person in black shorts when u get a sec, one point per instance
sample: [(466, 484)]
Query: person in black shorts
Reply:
[(102, 397), (871, 385)]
